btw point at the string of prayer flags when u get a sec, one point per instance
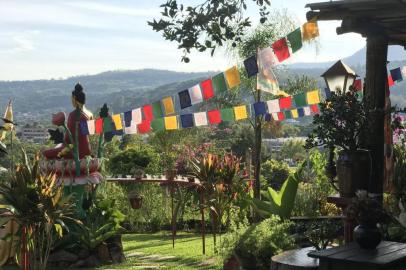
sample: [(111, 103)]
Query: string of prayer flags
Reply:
[(158, 124), (200, 119), (195, 94), (99, 125), (232, 77), (171, 122), (117, 121), (240, 112), (285, 103), (136, 116), (310, 30), (184, 99), (273, 105), (259, 108), (127, 118), (144, 127), (281, 49), (358, 85), (148, 112), (83, 128), (396, 74), (214, 117), (300, 100), (227, 115), (207, 89), (390, 81), (251, 66), (295, 40), (219, 83), (313, 97), (169, 108), (186, 120), (91, 126)]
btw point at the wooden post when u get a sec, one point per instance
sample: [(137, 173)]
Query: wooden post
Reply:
[(375, 88), (173, 222), (203, 222)]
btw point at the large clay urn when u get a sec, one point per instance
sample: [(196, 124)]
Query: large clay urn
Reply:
[(353, 171)]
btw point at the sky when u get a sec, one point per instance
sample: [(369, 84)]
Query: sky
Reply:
[(42, 39)]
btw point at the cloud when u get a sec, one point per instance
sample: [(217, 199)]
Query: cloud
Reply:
[(115, 9), (16, 42)]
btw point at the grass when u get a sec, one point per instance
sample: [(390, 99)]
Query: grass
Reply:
[(187, 254)]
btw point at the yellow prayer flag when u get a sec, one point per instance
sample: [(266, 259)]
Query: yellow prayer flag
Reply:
[(295, 113), (310, 30), (313, 97), (240, 112), (168, 105), (232, 77), (117, 121), (8, 114), (171, 122)]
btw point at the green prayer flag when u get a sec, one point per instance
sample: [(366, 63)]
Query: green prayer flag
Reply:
[(158, 124), (107, 125), (156, 109), (288, 114), (295, 40), (300, 100), (219, 83), (227, 114)]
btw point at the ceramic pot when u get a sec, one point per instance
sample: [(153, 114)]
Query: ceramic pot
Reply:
[(367, 236), (135, 201)]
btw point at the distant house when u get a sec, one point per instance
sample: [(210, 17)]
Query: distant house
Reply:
[(33, 133), (275, 145)]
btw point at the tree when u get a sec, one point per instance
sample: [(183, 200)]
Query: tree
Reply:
[(207, 25)]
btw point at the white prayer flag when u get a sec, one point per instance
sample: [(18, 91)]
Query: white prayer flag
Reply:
[(200, 119), (275, 116), (132, 129), (273, 106), (136, 116), (91, 127), (307, 110), (195, 94)]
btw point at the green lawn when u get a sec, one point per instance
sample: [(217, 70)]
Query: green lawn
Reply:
[(140, 250)]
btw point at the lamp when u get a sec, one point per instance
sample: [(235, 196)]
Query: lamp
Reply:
[(339, 77)]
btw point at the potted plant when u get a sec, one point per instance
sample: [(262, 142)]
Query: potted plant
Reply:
[(341, 124), (368, 212), (135, 199), (138, 173)]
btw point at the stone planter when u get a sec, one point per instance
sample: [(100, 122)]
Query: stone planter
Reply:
[(135, 200)]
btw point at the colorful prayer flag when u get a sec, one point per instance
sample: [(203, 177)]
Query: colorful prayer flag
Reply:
[(281, 49), (184, 99), (117, 121), (195, 94), (396, 74), (171, 122), (403, 70), (91, 127), (232, 77), (227, 115), (358, 85), (390, 81), (158, 124), (186, 120), (136, 116), (214, 116), (144, 127), (148, 114), (200, 119), (219, 83), (275, 116), (259, 108), (307, 111), (168, 105), (266, 80), (314, 108), (132, 129), (207, 89), (273, 106), (300, 100), (288, 114), (127, 118), (251, 66), (99, 126), (240, 112), (310, 30), (268, 117), (300, 112), (295, 113), (107, 125), (327, 93), (295, 40), (281, 116), (313, 97), (285, 103), (157, 109), (83, 128)]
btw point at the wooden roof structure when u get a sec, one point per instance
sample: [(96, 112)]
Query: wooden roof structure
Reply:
[(365, 17)]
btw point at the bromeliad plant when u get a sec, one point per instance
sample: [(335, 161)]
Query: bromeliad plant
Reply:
[(39, 207)]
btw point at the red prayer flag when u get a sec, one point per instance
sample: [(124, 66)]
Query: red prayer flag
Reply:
[(207, 89), (285, 103), (281, 49), (148, 112), (99, 126), (214, 116), (390, 81), (358, 85), (314, 108), (144, 127), (281, 116)]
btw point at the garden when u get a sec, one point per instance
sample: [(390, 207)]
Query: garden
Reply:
[(186, 182)]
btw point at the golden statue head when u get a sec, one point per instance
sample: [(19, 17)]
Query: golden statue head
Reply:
[(78, 96)]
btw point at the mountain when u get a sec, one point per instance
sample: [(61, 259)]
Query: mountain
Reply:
[(395, 53)]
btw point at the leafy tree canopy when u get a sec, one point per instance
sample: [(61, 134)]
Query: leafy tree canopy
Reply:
[(207, 25)]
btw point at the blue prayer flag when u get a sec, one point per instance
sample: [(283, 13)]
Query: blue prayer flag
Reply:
[(260, 108), (127, 118), (251, 66), (300, 112), (186, 120), (268, 117), (396, 74), (184, 99)]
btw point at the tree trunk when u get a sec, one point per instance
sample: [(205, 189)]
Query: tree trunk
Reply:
[(376, 86), (257, 156)]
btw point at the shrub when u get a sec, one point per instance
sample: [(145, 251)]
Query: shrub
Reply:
[(263, 240), (275, 172)]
